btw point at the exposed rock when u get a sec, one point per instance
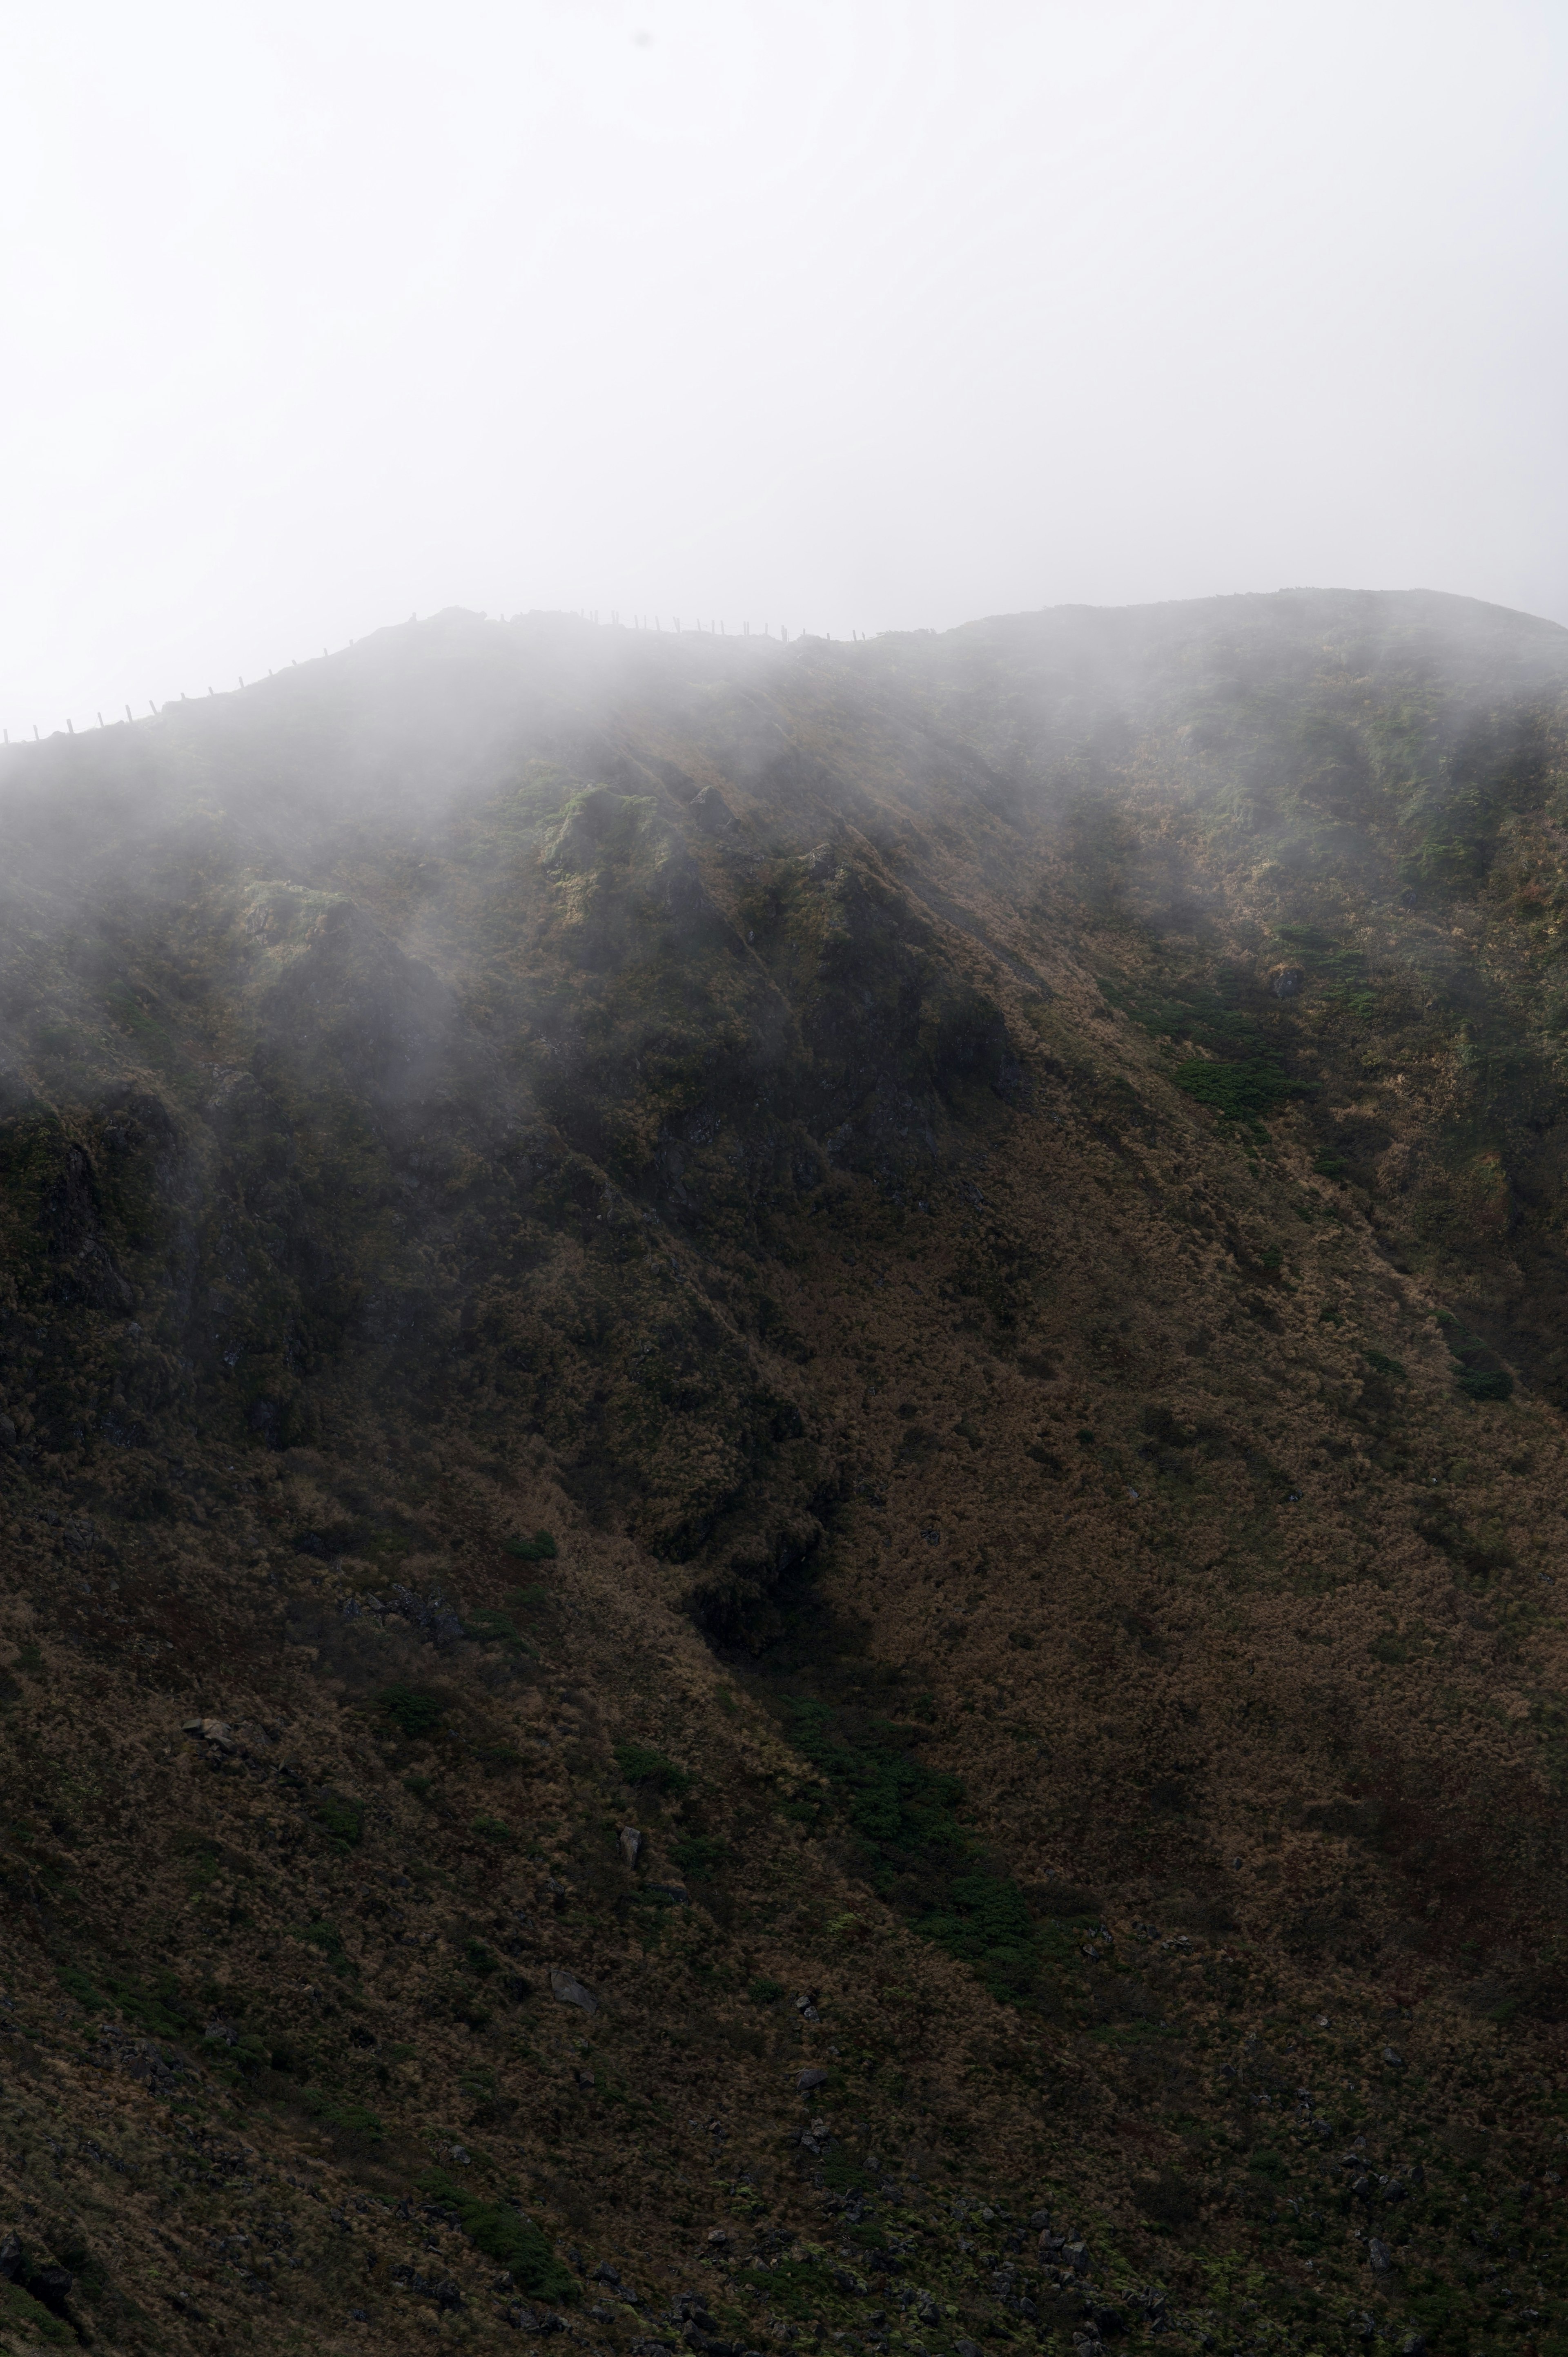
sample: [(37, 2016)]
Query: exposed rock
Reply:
[(566, 1989)]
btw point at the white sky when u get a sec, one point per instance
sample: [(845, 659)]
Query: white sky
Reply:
[(835, 313)]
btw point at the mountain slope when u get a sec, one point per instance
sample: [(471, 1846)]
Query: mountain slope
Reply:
[(724, 1362)]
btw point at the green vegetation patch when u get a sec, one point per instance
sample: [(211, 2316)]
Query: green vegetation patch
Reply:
[(1247, 1091), (1479, 1373), (344, 1820), (641, 1765), (327, 1939), (414, 1711), (491, 1626), (355, 2123), (917, 1852), (699, 1856), (505, 2236), (1206, 1011), (160, 2011), (841, 2173), (540, 1548), (21, 2314)]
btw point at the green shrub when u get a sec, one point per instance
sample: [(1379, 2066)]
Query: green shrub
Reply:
[(841, 2173), (497, 1758), (347, 2119), (491, 1829), (161, 2011), (344, 1820), (699, 1856), (540, 1548), (640, 1765), (1385, 1365), (328, 1940), (505, 2236), (414, 1710), (1478, 1376), (205, 1865), (766, 1992), (489, 1625)]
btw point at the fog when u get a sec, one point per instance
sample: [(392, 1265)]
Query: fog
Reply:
[(839, 318)]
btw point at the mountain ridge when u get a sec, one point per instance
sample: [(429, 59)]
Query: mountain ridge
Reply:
[(999, 1213)]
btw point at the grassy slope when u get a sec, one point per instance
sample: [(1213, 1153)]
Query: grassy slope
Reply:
[(746, 1115)]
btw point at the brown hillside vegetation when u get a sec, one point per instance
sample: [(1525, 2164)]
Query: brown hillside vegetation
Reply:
[(782, 1471)]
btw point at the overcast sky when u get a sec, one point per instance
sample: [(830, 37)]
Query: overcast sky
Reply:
[(828, 313)]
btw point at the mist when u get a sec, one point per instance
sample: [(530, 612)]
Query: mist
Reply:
[(841, 320)]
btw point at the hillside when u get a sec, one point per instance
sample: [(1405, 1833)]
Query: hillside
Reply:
[(781, 1482)]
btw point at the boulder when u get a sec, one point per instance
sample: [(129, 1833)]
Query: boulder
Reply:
[(566, 1989)]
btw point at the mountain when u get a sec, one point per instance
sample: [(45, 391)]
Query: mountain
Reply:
[(781, 1485)]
